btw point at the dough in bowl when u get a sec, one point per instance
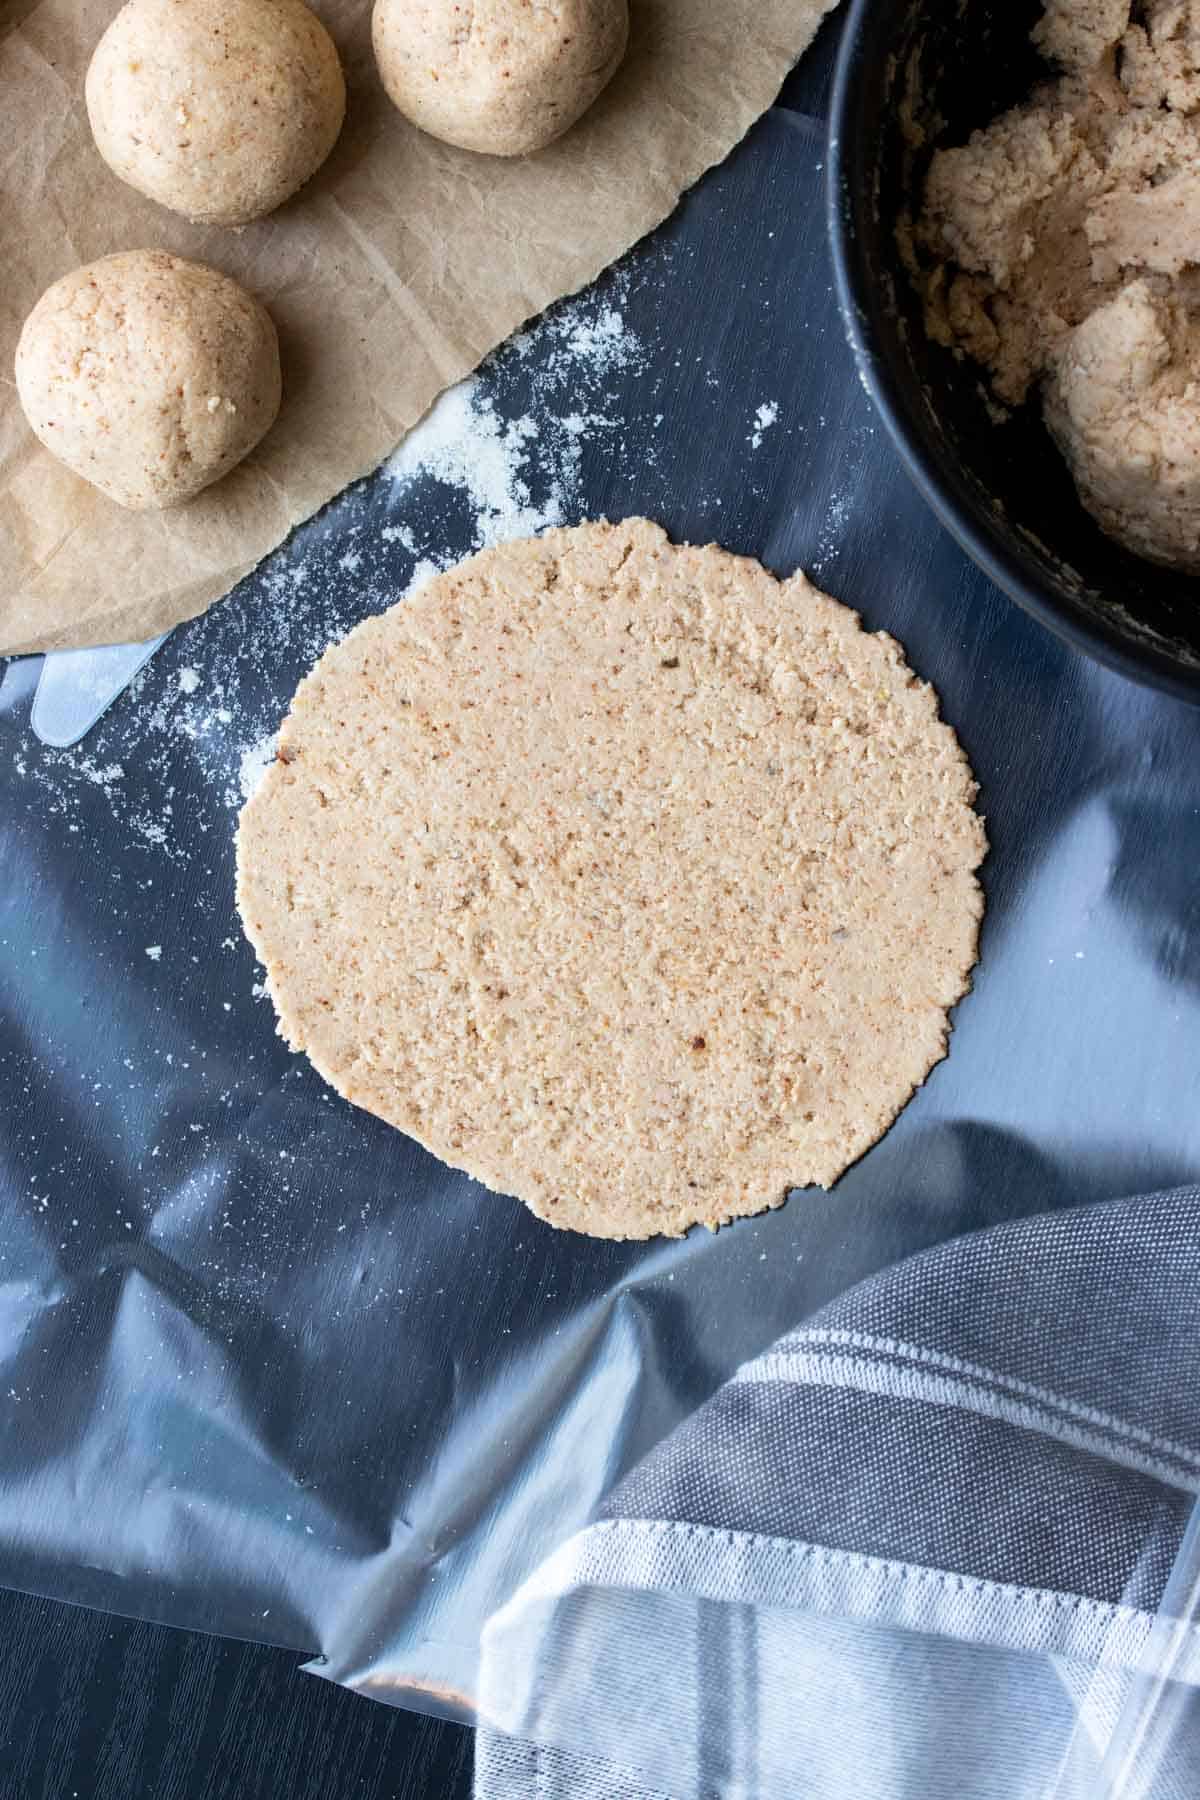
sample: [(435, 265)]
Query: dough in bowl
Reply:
[(626, 877), (1121, 404), (502, 76), (1061, 245), (219, 109), (149, 376)]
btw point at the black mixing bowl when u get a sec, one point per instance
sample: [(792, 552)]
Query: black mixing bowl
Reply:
[(946, 67)]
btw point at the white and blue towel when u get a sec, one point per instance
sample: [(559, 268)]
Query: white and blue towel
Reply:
[(935, 1544)]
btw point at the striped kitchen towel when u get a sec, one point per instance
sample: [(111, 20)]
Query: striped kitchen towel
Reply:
[(937, 1542)]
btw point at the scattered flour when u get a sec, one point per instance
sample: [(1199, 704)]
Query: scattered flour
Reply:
[(425, 571), (519, 476), (464, 443), (603, 342), (189, 681), (764, 418), (154, 952), (256, 760), (105, 777), (833, 532)]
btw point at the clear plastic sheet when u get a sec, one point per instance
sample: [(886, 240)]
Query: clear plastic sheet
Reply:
[(267, 1367)]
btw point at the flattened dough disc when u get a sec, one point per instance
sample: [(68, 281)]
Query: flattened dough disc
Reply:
[(627, 878)]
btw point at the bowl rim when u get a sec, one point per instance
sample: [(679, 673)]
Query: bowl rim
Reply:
[(943, 490)]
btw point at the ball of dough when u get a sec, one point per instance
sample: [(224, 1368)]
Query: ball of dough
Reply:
[(502, 76), (149, 376), (218, 109), (1123, 405)]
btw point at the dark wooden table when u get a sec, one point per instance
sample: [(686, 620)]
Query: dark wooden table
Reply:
[(97, 1708)]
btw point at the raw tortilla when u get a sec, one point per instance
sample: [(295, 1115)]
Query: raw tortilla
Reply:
[(625, 877)]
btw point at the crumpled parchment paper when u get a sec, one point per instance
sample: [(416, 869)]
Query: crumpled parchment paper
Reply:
[(389, 276)]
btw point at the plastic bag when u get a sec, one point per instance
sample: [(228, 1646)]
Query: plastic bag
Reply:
[(269, 1368)]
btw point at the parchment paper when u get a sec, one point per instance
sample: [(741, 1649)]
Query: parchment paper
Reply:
[(399, 266)]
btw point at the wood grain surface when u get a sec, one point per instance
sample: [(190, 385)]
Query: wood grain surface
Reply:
[(99, 1708)]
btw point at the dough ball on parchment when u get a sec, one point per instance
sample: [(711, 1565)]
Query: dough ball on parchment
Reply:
[(149, 376), (218, 109), (501, 76), (626, 877), (1123, 406)]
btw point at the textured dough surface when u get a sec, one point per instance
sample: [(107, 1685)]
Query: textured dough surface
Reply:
[(149, 376), (1066, 231), (1123, 407), (502, 76), (219, 109), (625, 877)]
